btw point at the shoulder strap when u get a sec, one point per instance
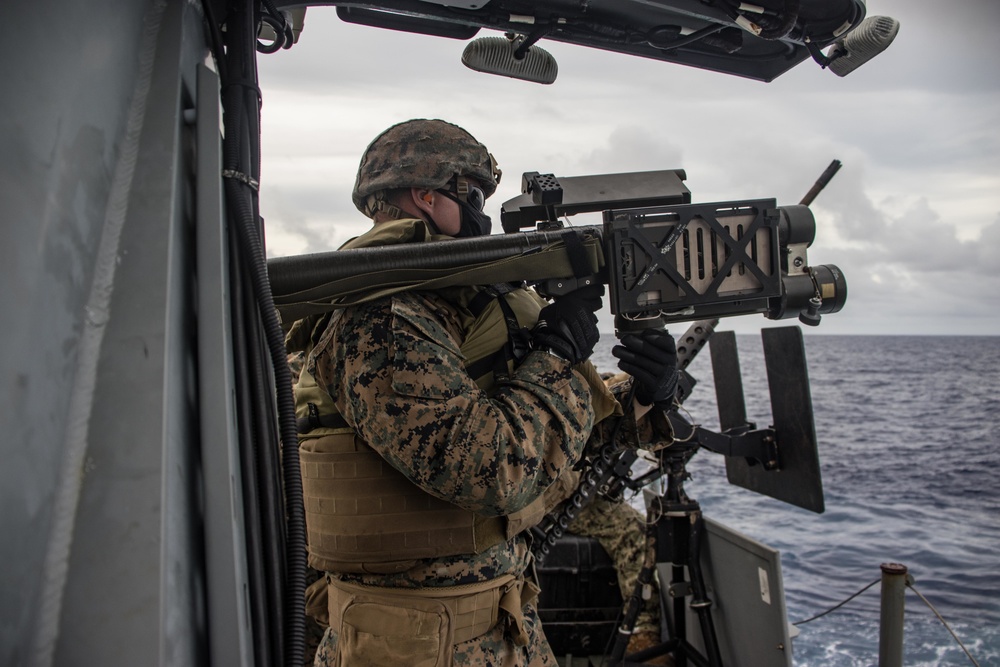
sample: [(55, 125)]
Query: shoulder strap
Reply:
[(551, 261)]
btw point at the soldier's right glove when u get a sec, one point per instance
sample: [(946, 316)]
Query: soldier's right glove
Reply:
[(651, 358), (567, 327)]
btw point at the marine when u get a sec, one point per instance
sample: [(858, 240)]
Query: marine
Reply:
[(432, 425)]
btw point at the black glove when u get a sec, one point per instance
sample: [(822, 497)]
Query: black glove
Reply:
[(651, 358), (568, 326)]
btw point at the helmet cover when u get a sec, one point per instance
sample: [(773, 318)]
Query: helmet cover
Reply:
[(422, 153)]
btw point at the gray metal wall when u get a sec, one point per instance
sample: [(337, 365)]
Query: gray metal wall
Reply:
[(100, 489)]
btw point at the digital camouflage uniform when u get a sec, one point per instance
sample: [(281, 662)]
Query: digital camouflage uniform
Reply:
[(396, 374), (620, 530)]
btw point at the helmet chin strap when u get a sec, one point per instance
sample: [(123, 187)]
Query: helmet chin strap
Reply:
[(433, 225), (429, 219)]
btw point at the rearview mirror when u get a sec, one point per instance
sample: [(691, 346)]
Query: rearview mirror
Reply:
[(498, 55)]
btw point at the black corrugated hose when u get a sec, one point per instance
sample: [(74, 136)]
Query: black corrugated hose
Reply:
[(241, 167)]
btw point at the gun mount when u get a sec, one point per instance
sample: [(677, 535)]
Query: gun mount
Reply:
[(780, 461)]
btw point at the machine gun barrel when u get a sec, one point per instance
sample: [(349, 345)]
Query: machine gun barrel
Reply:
[(821, 182)]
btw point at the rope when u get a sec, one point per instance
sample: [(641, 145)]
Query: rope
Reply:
[(838, 605), (944, 623), (927, 602)]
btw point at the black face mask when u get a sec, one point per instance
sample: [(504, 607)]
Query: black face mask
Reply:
[(474, 221)]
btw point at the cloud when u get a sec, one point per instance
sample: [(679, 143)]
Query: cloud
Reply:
[(912, 217), (631, 148), (940, 46), (987, 248)]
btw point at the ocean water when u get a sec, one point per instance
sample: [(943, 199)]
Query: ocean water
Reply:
[(909, 441)]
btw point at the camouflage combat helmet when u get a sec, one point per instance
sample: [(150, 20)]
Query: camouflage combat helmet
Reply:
[(421, 154)]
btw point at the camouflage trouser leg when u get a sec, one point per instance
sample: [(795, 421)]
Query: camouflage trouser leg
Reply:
[(316, 615), (620, 529), (326, 652), (494, 649)]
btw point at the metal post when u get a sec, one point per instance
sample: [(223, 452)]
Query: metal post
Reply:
[(890, 647)]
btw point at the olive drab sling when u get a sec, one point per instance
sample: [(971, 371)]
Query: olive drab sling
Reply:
[(310, 290)]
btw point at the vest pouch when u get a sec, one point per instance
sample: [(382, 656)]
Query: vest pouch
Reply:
[(406, 632), (420, 626), (318, 602)]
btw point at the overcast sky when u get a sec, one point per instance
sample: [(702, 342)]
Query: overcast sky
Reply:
[(912, 218)]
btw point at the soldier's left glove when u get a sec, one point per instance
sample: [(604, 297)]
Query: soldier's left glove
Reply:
[(651, 358)]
